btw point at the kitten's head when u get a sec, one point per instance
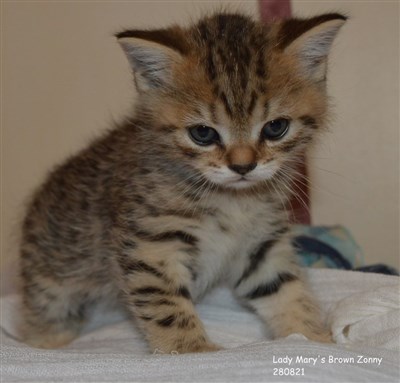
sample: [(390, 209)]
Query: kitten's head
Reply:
[(235, 99)]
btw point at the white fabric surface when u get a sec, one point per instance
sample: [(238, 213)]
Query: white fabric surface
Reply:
[(371, 318), (363, 310)]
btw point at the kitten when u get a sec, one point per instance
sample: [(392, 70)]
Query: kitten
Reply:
[(188, 193)]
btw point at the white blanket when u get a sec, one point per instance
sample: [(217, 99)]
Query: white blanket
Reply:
[(363, 310)]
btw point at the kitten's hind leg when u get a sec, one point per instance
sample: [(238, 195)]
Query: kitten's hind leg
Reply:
[(53, 313), (272, 284)]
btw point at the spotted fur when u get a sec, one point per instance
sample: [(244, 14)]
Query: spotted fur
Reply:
[(150, 219)]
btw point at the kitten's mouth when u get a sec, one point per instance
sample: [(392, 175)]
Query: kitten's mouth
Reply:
[(230, 180), (240, 183)]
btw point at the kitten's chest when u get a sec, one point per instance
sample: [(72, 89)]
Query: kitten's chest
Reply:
[(227, 237)]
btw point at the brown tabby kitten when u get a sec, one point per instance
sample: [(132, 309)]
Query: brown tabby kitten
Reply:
[(188, 193)]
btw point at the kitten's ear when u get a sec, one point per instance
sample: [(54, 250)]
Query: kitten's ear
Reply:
[(152, 55), (310, 41)]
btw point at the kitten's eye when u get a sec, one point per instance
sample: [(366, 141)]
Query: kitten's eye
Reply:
[(203, 135), (275, 129)]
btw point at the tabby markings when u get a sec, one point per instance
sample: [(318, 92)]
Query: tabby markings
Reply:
[(271, 287), (256, 258), (167, 321), (168, 236)]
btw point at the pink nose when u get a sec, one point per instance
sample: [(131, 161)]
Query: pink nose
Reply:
[(243, 169), (242, 159)]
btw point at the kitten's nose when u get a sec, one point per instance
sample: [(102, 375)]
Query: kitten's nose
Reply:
[(242, 159), (243, 169)]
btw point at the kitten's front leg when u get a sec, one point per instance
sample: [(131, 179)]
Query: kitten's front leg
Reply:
[(272, 284), (155, 282)]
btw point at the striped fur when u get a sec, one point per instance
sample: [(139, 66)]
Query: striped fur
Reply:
[(148, 218)]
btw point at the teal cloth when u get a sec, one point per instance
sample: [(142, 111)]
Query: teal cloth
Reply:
[(327, 246)]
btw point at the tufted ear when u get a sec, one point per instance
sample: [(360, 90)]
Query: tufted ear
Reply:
[(310, 41), (152, 55)]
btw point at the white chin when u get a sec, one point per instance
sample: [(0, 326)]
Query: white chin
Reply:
[(240, 184)]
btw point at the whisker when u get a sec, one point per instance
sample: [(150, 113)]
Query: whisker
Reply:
[(280, 198), (297, 192), (306, 181)]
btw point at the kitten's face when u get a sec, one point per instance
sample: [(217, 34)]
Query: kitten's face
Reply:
[(241, 146), (237, 101)]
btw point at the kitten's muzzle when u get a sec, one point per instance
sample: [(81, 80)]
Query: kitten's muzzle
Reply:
[(241, 159), (242, 169)]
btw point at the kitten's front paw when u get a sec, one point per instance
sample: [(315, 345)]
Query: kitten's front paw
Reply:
[(50, 340), (323, 337), (316, 332), (208, 347)]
